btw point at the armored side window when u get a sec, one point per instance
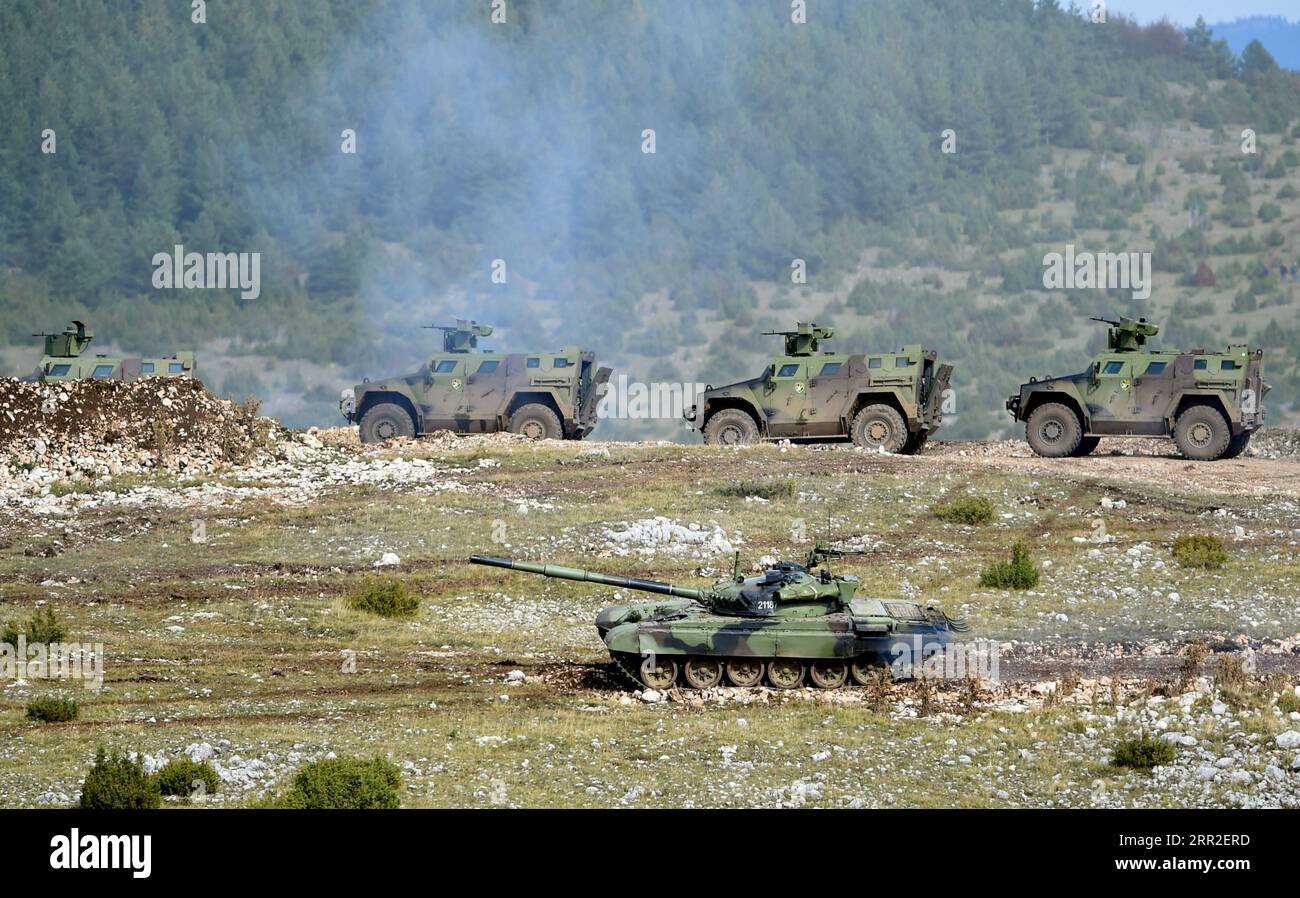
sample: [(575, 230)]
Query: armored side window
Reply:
[(59, 370), (902, 361), (488, 367), (560, 363), (1113, 368), (146, 367), (788, 370), (873, 363), (1228, 365), (446, 366), (175, 367), (1156, 368), (102, 371), (830, 368), (1201, 364), (534, 363)]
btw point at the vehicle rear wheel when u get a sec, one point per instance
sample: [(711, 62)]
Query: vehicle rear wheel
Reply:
[(744, 672), (865, 673), (703, 673), (1053, 430), (1238, 444), (828, 674), (785, 673), (1202, 433), (537, 422), (916, 443), (1085, 447), (879, 427), (658, 672), (730, 427), (385, 421)]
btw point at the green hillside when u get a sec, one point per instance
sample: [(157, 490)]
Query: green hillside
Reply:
[(522, 141)]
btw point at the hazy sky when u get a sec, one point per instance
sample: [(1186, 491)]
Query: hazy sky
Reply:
[(1184, 12)]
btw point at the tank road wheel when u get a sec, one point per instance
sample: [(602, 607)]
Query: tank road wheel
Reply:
[(864, 673), (1202, 433), (537, 422), (828, 674), (658, 672), (1085, 447), (1238, 444), (385, 421), (731, 427), (879, 427), (915, 443), (1053, 430), (703, 673), (785, 673), (744, 672)]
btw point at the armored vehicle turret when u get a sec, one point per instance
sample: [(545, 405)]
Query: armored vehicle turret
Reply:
[(890, 401), (794, 620), (65, 359), (543, 395), (1208, 402)]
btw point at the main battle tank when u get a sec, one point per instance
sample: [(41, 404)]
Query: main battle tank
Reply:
[(790, 622)]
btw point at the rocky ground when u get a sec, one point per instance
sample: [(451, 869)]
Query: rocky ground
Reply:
[(215, 564)]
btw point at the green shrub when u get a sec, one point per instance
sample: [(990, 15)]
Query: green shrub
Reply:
[(344, 783), (965, 510), (1288, 701), (763, 489), (51, 709), (179, 776), (1018, 573), (1200, 550), (118, 782), (386, 597), (1144, 752), (44, 626)]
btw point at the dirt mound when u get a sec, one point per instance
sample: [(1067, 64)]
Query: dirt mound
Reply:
[(95, 427)]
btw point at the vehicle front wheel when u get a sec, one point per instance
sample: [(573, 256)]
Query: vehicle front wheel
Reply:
[(1085, 447), (1202, 433), (385, 421), (1053, 430), (537, 422), (730, 427)]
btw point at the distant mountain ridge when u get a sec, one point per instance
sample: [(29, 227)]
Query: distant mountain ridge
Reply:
[(1279, 36)]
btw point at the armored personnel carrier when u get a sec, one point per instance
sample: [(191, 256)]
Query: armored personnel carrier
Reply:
[(543, 395), (1209, 402), (65, 359), (891, 401), (790, 622)]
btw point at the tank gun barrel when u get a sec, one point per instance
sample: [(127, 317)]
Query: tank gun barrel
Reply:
[(573, 573)]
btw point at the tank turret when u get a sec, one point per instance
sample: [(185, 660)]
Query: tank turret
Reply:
[(790, 621), (463, 335), (803, 341), (1127, 335)]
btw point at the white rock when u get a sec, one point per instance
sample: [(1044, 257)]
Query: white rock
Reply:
[(1289, 739), (651, 695), (389, 559), (515, 676)]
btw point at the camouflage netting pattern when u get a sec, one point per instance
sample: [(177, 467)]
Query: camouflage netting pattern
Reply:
[(89, 429)]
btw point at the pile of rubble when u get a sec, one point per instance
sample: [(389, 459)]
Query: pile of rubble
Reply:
[(89, 429)]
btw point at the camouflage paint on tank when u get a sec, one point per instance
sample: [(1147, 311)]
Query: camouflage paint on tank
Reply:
[(1129, 390), (803, 395), (465, 390), (791, 610), (65, 360)]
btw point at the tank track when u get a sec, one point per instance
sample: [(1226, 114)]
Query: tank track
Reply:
[(628, 667)]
